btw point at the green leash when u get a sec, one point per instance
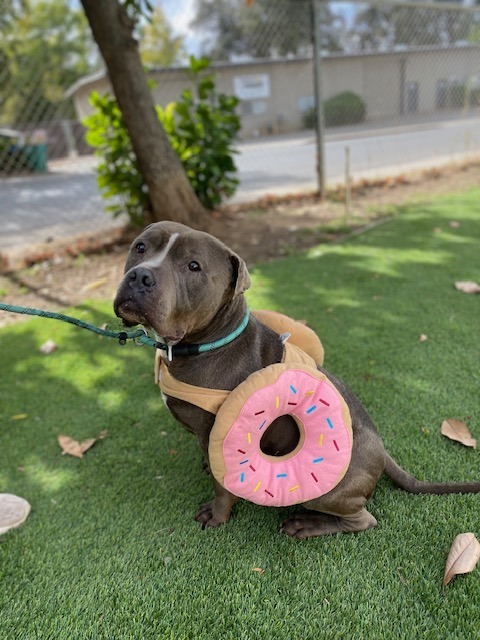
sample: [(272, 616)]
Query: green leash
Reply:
[(140, 336)]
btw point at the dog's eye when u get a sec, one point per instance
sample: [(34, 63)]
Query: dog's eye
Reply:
[(194, 266), (140, 247)]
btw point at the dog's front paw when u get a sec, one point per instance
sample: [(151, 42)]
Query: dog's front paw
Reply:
[(209, 516)]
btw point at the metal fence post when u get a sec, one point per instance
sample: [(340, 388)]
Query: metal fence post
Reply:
[(317, 73)]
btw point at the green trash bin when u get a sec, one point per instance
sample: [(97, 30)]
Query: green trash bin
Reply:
[(36, 157)]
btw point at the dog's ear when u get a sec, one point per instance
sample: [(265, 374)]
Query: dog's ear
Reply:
[(240, 277)]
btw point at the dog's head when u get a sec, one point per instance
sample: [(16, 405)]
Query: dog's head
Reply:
[(176, 279)]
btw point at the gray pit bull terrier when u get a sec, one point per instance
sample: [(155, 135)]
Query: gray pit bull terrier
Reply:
[(188, 287)]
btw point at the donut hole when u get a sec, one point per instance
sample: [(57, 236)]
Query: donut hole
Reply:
[(281, 437)]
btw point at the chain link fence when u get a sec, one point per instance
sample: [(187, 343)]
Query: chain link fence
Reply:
[(399, 86)]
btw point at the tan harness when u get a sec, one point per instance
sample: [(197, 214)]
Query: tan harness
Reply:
[(303, 347)]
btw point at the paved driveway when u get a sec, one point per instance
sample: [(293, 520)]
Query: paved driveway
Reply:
[(66, 201)]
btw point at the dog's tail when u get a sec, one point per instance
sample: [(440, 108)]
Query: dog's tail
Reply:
[(407, 482)]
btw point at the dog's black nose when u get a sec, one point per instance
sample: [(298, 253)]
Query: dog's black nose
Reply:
[(141, 279)]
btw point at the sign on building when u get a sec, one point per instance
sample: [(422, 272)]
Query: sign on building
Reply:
[(252, 87)]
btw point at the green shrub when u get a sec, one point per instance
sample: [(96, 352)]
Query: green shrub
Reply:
[(118, 175), (344, 108), (201, 127)]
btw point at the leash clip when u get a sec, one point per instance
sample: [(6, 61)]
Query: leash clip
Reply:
[(138, 340)]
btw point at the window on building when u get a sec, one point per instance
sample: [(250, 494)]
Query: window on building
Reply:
[(304, 103), (253, 107)]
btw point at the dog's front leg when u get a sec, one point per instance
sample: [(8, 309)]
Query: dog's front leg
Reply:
[(200, 422), (218, 510)]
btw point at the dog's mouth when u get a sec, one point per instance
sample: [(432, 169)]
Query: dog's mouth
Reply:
[(132, 316), (129, 313)]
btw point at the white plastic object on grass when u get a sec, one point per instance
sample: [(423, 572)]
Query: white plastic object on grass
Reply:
[(13, 511)]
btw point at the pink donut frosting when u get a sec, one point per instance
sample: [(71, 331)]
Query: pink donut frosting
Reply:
[(316, 465)]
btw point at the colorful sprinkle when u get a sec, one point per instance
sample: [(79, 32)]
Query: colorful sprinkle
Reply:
[(320, 440), (241, 451), (317, 460), (257, 487), (336, 445), (330, 423), (312, 408), (281, 475), (249, 438), (292, 389), (327, 404), (252, 468), (262, 425), (277, 402), (297, 486), (243, 462), (270, 494), (309, 393), (292, 403), (314, 477), (242, 477), (260, 412)]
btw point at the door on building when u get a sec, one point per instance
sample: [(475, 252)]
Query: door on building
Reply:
[(441, 94), (411, 97)]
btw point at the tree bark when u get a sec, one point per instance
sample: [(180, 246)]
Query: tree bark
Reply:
[(171, 195)]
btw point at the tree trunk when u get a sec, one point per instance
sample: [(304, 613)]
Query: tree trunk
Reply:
[(171, 194)]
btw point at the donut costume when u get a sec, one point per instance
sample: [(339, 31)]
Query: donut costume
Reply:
[(293, 387)]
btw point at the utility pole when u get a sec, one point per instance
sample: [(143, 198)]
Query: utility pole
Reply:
[(317, 77)]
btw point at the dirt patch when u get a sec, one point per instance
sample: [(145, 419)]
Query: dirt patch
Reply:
[(267, 230)]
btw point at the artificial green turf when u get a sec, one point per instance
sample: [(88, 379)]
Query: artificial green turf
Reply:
[(111, 549)]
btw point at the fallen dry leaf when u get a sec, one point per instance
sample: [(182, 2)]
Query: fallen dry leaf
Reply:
[(258, 570), (19, 416), (423, 337), (458, 431), (454, 224), (467, 286), (463, 556), (72, 447), (48, 347)]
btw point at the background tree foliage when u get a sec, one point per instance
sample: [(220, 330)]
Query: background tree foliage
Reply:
[(263, 28), (158, 46), (45, 46), (381, 27)]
